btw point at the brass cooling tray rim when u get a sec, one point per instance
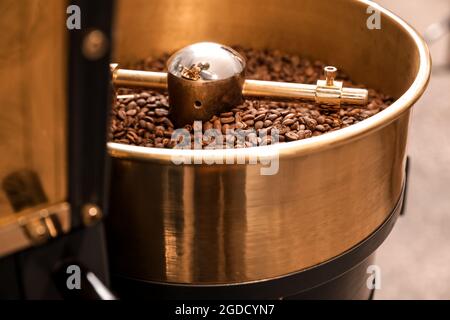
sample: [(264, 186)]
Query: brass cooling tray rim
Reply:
[(312, 144)]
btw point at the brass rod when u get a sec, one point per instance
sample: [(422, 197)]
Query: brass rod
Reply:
[(141, 79), (278, 90)]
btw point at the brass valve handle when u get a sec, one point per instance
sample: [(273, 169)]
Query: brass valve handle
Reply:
[(328, 91)]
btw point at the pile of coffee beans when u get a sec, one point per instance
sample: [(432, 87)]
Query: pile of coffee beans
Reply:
[(142, 118)]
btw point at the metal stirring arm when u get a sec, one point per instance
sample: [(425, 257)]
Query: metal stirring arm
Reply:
[(329, 91)]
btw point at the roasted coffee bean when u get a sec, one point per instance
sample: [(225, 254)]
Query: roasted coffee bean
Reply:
[(267, 123), (142, 123), (288, 122), (132, 136), (227, 120), (310, 123), (261, 116), (132, 105), (355, 112), (348, 121), (150, 126), (141, 102), (161, 112), (131, 112), (289, 116), (250, 123), (284, 130), (291, 136), (315, 113), (140, 115), (309, 71), (277, 120), (122, 115), (144, 95), (259, 125), (133, 119), (149, 119), (320, 119), (320, 128), (124, 141), (159, 132), (295, 126), (119, 134), (308, 133)]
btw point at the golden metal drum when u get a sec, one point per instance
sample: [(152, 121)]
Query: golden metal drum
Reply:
[(222, 223)]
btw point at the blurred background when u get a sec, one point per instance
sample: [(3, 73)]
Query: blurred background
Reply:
[(415, 259)]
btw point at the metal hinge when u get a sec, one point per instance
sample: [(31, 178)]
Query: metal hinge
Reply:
[(33, 227)]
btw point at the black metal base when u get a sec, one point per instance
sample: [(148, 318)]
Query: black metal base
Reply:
[(30, 274), (343, 277)]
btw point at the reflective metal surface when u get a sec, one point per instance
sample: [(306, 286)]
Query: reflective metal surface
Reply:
[(204, 224), (204, 79), (33, 226), (32, 108), (219, 62)]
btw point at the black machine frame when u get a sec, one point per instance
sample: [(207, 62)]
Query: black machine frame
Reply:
[(34, 273)]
